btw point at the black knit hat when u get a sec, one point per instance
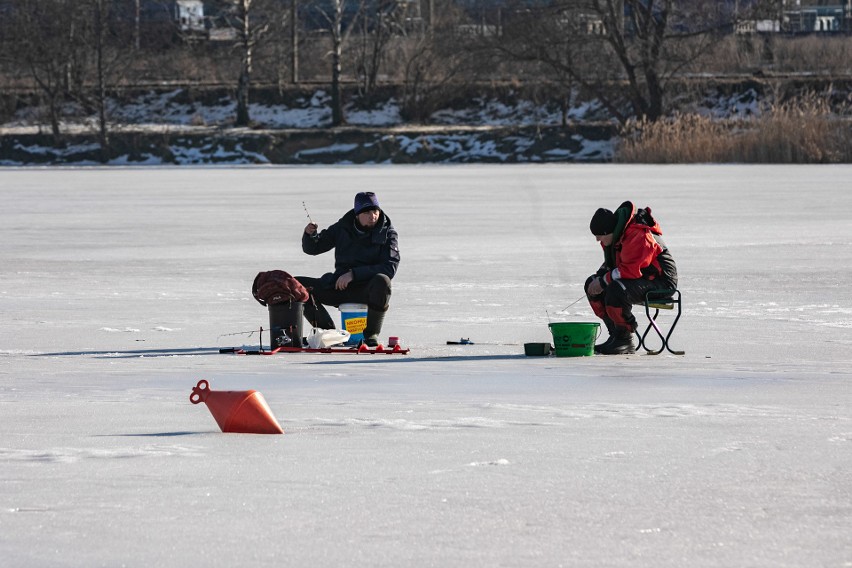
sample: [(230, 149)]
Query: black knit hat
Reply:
[(365, 201), (603, 222)]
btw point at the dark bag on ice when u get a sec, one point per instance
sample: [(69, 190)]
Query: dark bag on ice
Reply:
[(277, 287)]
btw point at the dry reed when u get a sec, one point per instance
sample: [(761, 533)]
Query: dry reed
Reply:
[(805, 131)]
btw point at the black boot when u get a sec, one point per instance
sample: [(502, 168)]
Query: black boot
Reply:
[(375, 319), (621, 343), (599, 347), (610, 328)]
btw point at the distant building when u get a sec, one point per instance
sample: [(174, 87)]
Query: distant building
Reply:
[(758, 26), (186, 15), (817, 16), (797, 17), (189, 15)]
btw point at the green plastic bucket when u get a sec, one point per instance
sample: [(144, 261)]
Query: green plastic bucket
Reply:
[(574, 339)]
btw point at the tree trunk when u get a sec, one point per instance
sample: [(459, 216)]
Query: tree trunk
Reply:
[(294, 40), (100, 46), (137, 41), (649, 26), (336, 58), (244, 82), (243, 117), (54, 115)]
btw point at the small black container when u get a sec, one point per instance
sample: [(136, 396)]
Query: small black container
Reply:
[(285, 324), (537, 349)]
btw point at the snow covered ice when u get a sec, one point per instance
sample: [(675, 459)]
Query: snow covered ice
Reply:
[(120, 285)]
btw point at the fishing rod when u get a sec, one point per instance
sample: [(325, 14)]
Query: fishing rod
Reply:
[(246, 333), (249, 333), (305, 207), (467, 341), (571, 304), (562, 311)]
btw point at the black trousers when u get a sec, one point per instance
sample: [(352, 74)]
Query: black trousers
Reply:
[(616, 301), (375, 292)]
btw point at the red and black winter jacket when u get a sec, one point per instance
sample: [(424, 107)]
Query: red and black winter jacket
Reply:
[(638, 249)]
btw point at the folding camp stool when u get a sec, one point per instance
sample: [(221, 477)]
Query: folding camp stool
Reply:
[(660, 300)]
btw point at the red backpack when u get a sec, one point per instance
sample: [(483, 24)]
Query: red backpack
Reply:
[(278, 287)]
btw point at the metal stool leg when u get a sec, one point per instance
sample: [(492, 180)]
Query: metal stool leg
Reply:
[(660, 299)]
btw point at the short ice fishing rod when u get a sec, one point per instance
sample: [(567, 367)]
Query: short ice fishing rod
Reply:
[(308, 214)]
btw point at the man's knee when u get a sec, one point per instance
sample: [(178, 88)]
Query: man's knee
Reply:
[(379, 292), (380, 283), (588, 281), (616, 295)]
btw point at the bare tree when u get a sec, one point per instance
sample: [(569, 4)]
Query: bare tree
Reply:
[(336, 24), (386, 20), (562, 42), (100, 31), (581, 39), (340, 19), (280, 41), (137, 24), (437, 66), (428, 73), (41, 37), (250, 25), (294, 41), (101, 35), (639, 48)]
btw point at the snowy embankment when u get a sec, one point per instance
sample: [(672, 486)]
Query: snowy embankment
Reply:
[(156, 129), (119, 285)]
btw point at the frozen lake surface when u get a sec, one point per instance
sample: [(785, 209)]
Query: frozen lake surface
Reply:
[(119, 285)]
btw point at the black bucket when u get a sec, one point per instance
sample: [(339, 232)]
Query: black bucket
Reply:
[(285, 324)]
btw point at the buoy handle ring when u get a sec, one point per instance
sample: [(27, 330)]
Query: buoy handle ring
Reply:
[(200, 392)]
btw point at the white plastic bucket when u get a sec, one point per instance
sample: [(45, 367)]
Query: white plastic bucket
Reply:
[(353, 318)]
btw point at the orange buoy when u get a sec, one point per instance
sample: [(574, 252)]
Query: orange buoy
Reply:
[(243, 412)]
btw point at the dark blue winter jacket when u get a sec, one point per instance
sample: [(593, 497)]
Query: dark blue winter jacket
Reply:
[(364, 252)]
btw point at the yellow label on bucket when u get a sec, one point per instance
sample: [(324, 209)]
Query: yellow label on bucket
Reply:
[(356, 325)]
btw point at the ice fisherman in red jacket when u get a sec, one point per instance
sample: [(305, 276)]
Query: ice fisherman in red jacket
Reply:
[(636, 261)]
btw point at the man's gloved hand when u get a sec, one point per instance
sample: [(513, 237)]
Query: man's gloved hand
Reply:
[(595, 287)]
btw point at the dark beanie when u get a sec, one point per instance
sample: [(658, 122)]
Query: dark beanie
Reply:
[(603, 222), (366, 200)]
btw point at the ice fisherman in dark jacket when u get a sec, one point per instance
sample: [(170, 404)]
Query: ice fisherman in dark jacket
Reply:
[(366, 257)]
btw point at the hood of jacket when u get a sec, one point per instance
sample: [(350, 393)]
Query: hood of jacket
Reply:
[(623, 217), (628, 218), (378, 233)]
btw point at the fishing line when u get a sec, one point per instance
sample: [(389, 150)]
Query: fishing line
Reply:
[(247, 333), (571, 304), (565, 308)]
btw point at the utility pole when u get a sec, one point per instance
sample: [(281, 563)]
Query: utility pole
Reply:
[(294, 41), (619, 16), (136, 31)]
